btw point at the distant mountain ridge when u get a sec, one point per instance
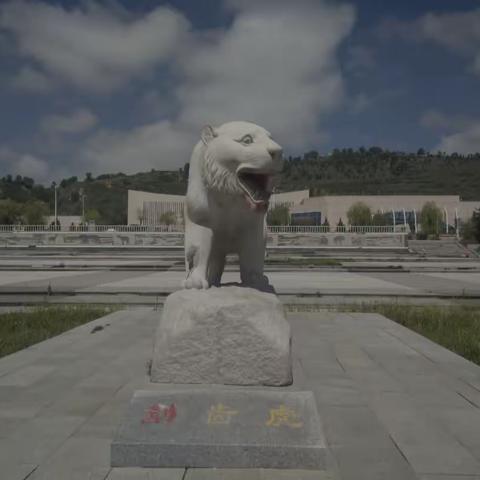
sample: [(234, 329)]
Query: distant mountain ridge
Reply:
[(370, 171)]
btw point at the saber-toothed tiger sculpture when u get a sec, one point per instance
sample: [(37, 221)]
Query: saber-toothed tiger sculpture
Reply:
[(229, 187)]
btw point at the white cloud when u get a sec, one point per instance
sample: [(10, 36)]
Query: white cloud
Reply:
[(24, 164), (457, 31), (460, 133), (467, 141), (158, 145), (276, 67), (92, 46), (30, 166), (31, 80), (78, 121), (436, 120)]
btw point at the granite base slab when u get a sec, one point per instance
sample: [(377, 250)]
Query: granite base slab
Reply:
[(221, 428)]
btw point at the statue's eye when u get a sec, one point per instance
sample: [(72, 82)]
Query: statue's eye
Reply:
[(246, 140)]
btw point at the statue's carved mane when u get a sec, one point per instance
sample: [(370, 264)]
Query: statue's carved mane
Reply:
[(216, 176)]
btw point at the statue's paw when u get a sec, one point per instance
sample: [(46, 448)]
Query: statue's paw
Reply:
[(258, 281), (195, 280)]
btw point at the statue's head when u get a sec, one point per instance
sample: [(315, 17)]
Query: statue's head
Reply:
[(241, 159)]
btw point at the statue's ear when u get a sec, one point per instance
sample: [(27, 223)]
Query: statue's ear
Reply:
[(208, 134)]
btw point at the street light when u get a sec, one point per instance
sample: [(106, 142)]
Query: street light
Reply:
[(55, 189), (83, 207), (457, 232)]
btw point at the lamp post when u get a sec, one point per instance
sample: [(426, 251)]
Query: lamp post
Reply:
[(83, 207), (55, 216), (457, 232)]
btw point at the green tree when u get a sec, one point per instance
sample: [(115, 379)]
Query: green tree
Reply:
[(35, 213), (359, 214), (10, 212), (74, 196), (168, 218), (278, 215), (431, 218), (467, 231), (28, 182), (92, 215), (379, 219)]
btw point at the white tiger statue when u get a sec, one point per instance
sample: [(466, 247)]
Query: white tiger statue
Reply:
[(229, 186)]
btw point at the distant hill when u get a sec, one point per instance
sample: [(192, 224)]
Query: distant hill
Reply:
[(370, 171), (106, 194), (380, 172)]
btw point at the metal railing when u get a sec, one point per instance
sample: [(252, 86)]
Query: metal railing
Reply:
[(90, 228), (338, 229), (180, 228)]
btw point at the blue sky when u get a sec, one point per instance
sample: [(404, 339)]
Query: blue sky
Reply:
[(117, 85)]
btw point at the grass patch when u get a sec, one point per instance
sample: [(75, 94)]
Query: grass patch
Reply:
[(303, 261), (19, 330), (454, 327)]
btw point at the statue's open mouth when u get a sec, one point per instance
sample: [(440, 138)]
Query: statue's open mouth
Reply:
[(257, 187)]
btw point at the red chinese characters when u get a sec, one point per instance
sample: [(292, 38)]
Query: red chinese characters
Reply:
[(159, 413)]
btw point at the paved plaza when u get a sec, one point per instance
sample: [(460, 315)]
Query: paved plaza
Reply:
[(286, 282), (393, 404)]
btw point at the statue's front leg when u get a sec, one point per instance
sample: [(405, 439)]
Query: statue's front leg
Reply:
[(252, 258), (198, 246), (216, 264)]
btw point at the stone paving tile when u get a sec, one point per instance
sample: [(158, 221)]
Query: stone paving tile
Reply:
[(146, 474), (14, 471), (391, 401), (104, 377), (77, 458), (9, 410), (425, 443), (449, 477), (36, 439), (105, 421), (357, 462), (17, 360), (355, 425), (8, 426), (351, 356), (296, 475), (338, 396), (463, 424), (255, 474), (223, 474), (79, 401), (26, 376)]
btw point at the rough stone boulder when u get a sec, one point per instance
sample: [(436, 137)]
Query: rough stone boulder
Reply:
[(227, 335)]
